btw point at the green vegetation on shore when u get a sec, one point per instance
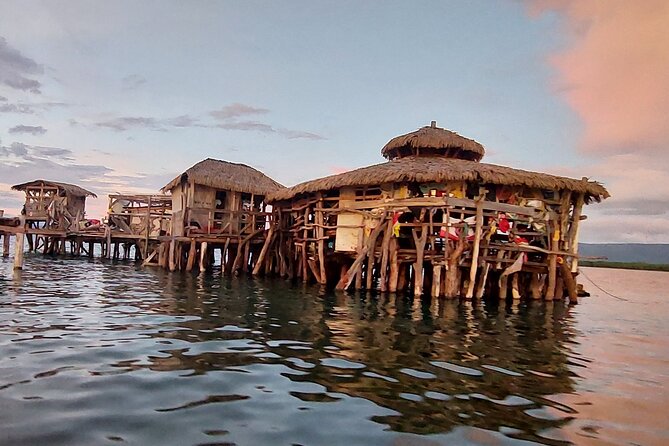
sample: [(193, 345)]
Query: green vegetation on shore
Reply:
[(624, 265)]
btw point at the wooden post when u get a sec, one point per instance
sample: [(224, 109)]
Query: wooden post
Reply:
[(18, 244), (420, 255), (353, 271), (453, 271), (574, 231), (394, 266), (385, 254), (192, 252), (480, 288), (436, 279), (475, 250), (203, 256), (91, 249), (569, 282), (18, 251), (5, 244), (515, 288), (536, 285), (320, 234), (263, 252), (171, 260), (403, 277), (224, 253)]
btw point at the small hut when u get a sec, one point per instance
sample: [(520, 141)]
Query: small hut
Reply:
[(218, 203), (54, 205), (218, 197), (434, 219)]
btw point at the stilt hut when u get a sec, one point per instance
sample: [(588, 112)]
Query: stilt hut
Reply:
[(54, 205), (218, 204), (434, 219)]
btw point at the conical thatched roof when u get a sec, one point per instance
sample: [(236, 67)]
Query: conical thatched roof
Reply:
[(69, 189), (440, 169), (432, 140), (227, 176)]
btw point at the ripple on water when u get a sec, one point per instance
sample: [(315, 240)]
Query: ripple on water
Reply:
[(341, 363), (457, 368)]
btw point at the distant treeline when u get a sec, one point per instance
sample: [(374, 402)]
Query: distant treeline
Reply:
[(624, 265)]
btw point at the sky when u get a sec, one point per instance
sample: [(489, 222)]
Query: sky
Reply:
[(123, 96)]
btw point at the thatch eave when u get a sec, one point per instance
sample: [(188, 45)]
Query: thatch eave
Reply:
[(70, 189), (224, 175), (439, 169), (435, 138)]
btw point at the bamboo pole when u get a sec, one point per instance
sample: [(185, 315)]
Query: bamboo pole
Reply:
[(475, 250)]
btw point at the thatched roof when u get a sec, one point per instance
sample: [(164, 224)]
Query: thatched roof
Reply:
[(433, 140), (226, 176), (69, 189), (440, 169)]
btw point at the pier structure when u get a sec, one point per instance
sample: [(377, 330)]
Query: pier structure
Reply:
[(217, 205), (434, 220), (53, 221)]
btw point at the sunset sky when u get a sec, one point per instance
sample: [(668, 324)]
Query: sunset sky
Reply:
[(122, 96)]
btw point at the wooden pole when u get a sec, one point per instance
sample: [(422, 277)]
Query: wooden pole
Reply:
[(480, 288), (320, 234), (5, 244), (385, 255), (348, 277), (574, 231), (192, 252), (569, 282), (18, 251), (475, 250), (436, 279), (263, 252), (394, 266), (203, 256), (420, 256)]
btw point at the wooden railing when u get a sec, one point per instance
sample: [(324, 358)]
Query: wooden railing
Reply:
[(225, 222)]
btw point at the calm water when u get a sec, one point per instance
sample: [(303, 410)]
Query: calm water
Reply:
[(95, 353)]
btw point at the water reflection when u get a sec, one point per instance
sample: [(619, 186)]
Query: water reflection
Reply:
[(115, 353)]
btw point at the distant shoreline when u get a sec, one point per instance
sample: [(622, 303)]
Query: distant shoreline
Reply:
[(625, 265)]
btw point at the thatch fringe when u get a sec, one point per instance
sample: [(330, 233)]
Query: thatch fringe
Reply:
[(69, 189), (227, 176), (439, 169)]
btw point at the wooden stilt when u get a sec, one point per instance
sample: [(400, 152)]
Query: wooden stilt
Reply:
[(475, 250), (5, 245), (419, 241), (569, 282), (436, 279), (203, 256), (481, 285), (192, 252), (394, 266), (515, 287), (265, 247), (385, 256), (18, 251), (354, 270)]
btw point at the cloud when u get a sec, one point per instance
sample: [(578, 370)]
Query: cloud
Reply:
[(132, 82), (247, 126), (17, 70), (31, 129), (29, 108), (128, 122), (237, 110), (3, 99), (298, 134), (614, 72)]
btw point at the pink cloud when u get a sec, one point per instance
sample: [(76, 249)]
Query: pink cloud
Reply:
[(614, 72)]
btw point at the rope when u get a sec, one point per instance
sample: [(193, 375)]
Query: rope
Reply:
[(600, 288)]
